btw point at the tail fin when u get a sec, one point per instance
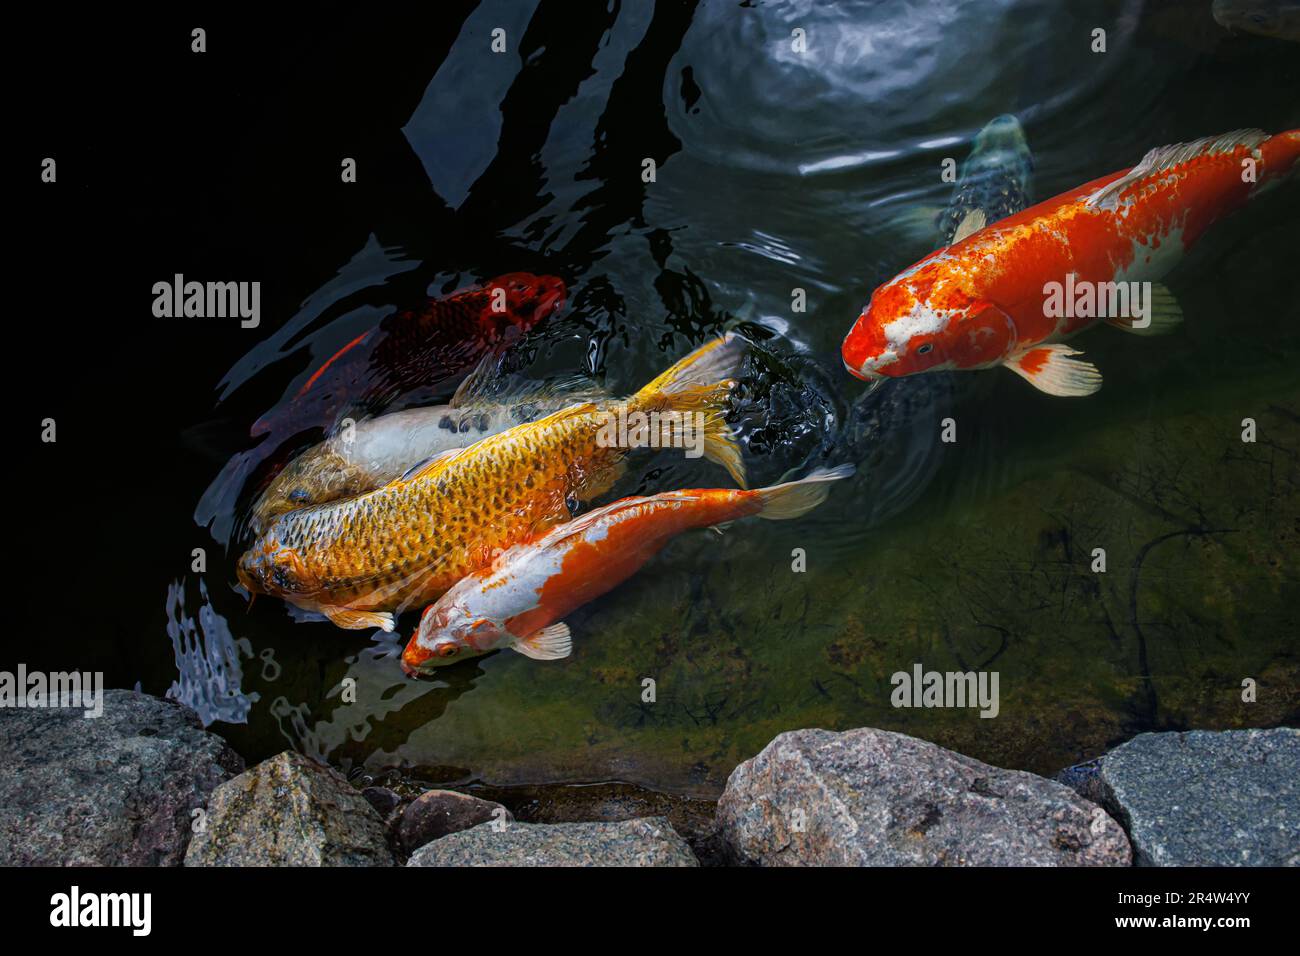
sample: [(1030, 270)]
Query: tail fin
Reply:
[(796, 498), (702, 382), (1283, 152)]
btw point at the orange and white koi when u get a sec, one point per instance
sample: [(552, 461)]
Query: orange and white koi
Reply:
[(360, 560), (994, 298), (518, 601)]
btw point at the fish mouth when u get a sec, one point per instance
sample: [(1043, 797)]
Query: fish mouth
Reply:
[(418, 668), (863, 374), (244, 574)]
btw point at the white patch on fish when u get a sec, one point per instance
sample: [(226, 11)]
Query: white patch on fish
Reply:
[(922, 320)]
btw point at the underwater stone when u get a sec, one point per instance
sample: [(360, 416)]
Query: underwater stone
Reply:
[(384, 801), (436, 813), (1203, 798), (290, 811), (116, 790), (876, 798), (648, 841)]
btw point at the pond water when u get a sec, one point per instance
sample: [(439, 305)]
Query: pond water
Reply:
[(776, 170)]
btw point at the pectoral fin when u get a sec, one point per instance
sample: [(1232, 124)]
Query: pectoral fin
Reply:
[(1050, 369), (919, 225), (548, 644), (353, 620), (973, 223), (1163, 314)]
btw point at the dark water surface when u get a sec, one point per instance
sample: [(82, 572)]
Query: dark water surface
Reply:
[(775, 171)]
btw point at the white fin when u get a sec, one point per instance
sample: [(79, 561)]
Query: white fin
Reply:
[(1167, 157), (484, 381), (352, 620), (574, 388), (1164, 314), (548, 644), (919, 225), (1054, 372), (973, 223), (796, 498), (747, 311)]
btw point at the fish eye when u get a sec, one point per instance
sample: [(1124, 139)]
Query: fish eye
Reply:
[(299, 494), (448, 650), (927, 347)]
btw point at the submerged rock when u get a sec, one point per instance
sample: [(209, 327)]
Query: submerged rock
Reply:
[(437, 813), (384, 801), (290, 811), (113, 790), (871, 798), (649, 841), (1202, 798)]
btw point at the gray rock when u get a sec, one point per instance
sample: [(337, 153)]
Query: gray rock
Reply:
[(290, 811), (113, 790), (1203, 798), (613, 802), (436, 813), (874, 798), (649, 841)]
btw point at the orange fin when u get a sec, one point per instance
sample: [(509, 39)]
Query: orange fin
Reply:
[(346, 617), (702, 383)]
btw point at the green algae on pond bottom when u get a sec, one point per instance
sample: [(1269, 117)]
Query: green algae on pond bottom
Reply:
[(1198, 595)]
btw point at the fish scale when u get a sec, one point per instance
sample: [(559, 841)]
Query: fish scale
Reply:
[(372, 540), (359, 559)]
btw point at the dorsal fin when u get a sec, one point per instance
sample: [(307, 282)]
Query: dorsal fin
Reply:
[(420, 467), (581, 523), (488, 383), (1167, 157), (481, 383)]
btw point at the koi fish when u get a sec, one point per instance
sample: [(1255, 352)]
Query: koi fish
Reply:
[(994, 181), (360, 560), (993, 298), (518, 601), (1266, 18), (373, 452), (418, 348)]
